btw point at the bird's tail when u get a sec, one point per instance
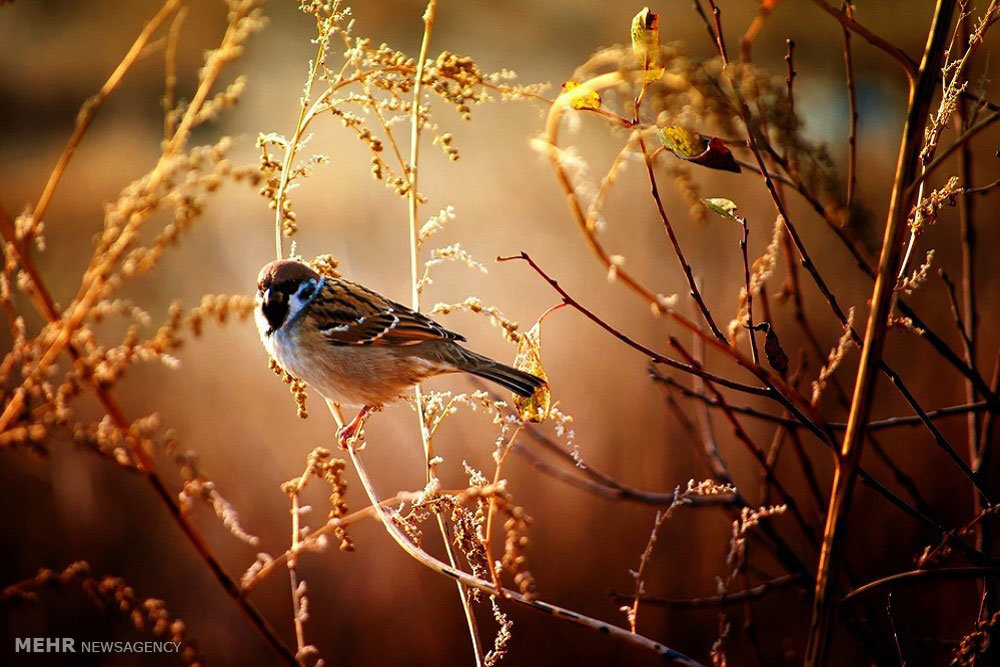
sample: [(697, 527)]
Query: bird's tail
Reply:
[(521, 383)]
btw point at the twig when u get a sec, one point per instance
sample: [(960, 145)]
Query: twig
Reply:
[(755, 451), (755, 593), (779, 390), (878, 42), (692, 285), (746, 279), (844, 476), (920, 576), (47, 307), (413, 196), (877, 425), (895, 633), (720, 40), (852, 99), (467, 579), (790, 76), (93, 104), (170, 71)]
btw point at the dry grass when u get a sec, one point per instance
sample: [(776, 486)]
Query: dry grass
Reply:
[(677, 117)]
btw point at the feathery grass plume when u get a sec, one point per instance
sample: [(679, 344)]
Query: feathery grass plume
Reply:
[(834, 359)]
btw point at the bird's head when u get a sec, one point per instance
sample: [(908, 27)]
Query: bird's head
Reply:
[(284, 289)]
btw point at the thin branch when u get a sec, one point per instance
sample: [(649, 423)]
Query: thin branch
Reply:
[(920, 576), (93, 104), (755, 593), (469, 580), (688, 274), (852, 99), (833, 538), (875, 40)]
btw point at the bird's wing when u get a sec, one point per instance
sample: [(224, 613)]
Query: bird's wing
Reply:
[(354, 315)]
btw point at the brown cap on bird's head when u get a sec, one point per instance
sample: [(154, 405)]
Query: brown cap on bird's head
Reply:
[(284, 272)]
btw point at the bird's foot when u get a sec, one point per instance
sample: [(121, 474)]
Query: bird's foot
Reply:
[(347, 433)]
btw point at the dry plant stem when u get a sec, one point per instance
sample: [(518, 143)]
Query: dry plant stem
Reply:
[(790, 76), (469, 580), (755, 451), (746, 279), (90, 287), (488, 532), (852, 99), (962, 140), (292, 148), (300, 640), (799, 314), (850, 457), (412, 201), (692, 285), (919, 576), (94, 104), (46, 306), (808, 264), (870, 481), (754, 593), (170, 71), (969, 322), (848, 22)]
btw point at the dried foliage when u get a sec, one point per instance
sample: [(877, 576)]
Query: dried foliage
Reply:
[(674, 114)]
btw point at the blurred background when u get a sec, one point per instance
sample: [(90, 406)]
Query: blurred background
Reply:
[(376, 606)]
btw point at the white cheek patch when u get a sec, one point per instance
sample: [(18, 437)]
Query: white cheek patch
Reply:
[(304, 296)]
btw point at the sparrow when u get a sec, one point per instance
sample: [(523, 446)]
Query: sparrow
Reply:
[(358, 348)]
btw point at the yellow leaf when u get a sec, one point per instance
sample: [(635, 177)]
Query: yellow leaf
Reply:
[(682, 141), (722, 206), (646, 43), (581, 98), (534, 408)]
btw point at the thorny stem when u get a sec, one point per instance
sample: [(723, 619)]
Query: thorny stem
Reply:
[(850, 457)]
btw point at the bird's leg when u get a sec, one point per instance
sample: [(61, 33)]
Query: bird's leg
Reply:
[(347, 432)]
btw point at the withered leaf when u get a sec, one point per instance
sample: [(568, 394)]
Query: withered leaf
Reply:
[(534, 408), (693, 147), (774, 352)]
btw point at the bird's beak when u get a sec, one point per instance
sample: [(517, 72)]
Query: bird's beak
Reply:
[(266, 297)]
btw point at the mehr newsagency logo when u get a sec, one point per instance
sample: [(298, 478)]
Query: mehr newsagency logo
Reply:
[(72, 645)]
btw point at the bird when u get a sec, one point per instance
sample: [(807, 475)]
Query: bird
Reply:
[(358, 348)]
